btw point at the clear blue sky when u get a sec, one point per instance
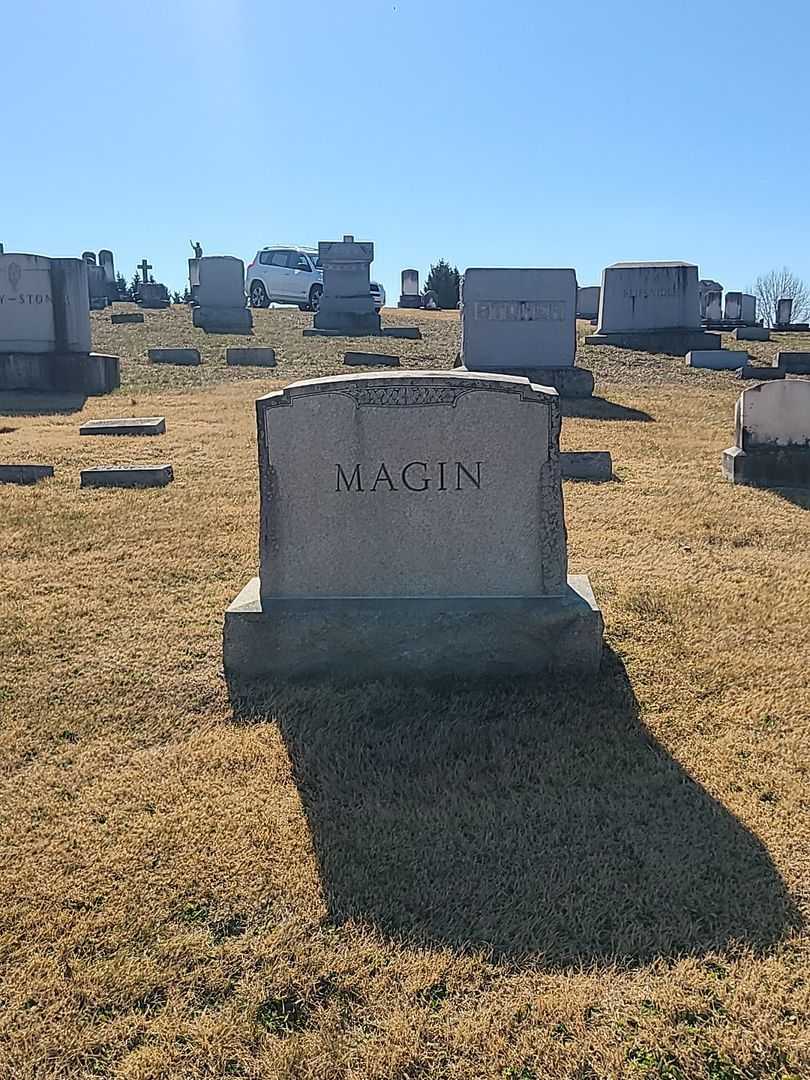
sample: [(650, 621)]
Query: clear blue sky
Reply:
[(517, 133)]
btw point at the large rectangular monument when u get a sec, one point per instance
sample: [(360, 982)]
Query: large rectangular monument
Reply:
[(412, 525), (45, 328), (652, 307), (523, 322)]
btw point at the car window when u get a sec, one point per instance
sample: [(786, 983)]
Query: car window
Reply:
[(298, 261), (264, 257), (279, 258)]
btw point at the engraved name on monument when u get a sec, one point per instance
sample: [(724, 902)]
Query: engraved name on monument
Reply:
[(411, 485)]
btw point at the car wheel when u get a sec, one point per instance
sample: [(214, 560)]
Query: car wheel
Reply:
[(315, 297), (258, 295)]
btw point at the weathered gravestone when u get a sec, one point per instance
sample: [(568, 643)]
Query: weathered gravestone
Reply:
[(193, 277), (710, 297), (96, 288), (652, 307), (153, 295), (409, 297), (523, 322), (107, 264), (411, 524), (219, 296), (748, 308), (733, 312), (346, 305), (772, 436), (45, 328), (588, 301), (784, 311)]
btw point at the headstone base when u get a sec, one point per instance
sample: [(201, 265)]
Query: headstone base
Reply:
[(84, 373), (569, 382), (791, 328), (782, 467), (346, 323), (672, 342), (223, 320), (419, 638), (410, 301), (155, 305)]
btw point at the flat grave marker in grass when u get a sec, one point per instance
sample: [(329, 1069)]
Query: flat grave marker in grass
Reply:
[(187, 357), (411, 525), (256, 356), (24, 474), (133, 425), (127, 476)]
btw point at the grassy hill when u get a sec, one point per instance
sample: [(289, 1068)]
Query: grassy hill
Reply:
[(506, 882)]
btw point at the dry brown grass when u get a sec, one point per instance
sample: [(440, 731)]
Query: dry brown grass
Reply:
[(508, 882)]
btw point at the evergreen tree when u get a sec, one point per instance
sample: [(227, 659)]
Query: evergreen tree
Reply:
[(121, 286), (134, 285), (444, 280), (176, 297)]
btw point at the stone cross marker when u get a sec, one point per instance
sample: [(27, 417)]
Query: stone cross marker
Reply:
[(144, 268), (391, 502)]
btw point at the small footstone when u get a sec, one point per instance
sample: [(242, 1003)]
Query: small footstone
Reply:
[(24, 474), (411, 332), (135, 425), (798, 363), (750, 371), (367, 359), (586, 465), (752, 333), (174, 356), (717, 359), (129, 476), (256, 357), (127, 317)]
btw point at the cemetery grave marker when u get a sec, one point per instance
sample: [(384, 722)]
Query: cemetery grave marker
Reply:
[(411, 524)]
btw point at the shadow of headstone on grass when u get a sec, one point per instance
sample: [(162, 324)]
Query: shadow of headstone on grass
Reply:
[(597, 408), (543, 823)]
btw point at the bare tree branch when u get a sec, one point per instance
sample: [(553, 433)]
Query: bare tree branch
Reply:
[(777, 285)]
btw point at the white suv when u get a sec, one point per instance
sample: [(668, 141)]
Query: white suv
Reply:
[(291, 275)]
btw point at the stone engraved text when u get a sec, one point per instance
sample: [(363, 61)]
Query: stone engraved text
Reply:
[(520, 310), (415, 476)]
